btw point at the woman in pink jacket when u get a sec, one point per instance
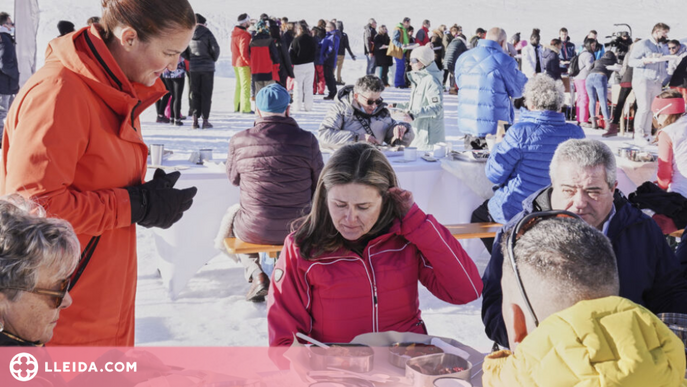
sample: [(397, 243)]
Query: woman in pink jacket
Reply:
[(353, 263)]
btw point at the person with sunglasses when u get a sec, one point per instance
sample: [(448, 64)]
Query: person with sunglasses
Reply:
[(37, 258), (583, 181), (425, 109), (566, 324), (360, 114), (677, 68)]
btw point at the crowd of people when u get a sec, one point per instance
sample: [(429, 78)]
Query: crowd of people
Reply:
[(578, 273)]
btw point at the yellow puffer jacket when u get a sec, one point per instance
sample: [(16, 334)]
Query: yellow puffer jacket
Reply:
[(605, 342)]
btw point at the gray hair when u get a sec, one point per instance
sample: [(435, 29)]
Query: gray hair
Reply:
[(497, 34), (30, 242), (568, 252), (368, 83), (585, 153), (545, 93)]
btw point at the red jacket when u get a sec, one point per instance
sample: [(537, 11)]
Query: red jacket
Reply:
[(72, 141), (341, 295), (262, 57), (240, 39), (425, 39)]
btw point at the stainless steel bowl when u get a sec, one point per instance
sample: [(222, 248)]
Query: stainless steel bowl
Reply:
[(351, 357), (424, 370)]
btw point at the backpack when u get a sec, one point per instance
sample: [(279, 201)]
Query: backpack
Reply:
[(574, 67)]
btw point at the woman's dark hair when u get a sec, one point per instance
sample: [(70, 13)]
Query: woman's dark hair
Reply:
[(588, 44), (304, 27), (535, 33), (150, 18), (555, 42), (359, 163)]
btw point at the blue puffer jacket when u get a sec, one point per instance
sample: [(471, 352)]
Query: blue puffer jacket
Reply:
[(487, 78), (520, 163), (649, 272)]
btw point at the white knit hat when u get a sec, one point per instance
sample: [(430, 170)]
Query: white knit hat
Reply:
[(424, 54)]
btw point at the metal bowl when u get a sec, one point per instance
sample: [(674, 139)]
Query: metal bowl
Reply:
[(351, 357), (398, 357), (424, 370)]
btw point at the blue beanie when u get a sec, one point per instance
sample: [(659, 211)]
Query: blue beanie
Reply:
[(273, 99)]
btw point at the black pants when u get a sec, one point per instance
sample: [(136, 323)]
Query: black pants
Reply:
[(201, 92), (480, 215), (176, 87), (618, 111), (161, 103), (330, 80)]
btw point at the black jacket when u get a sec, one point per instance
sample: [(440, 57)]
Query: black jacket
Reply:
[(649, 272), (284, 60), (9, 70), (369, 34), (202, 51), (436, 42), (551, 63), (599, 67), (454, 50), (344, 45), (303, 49), (381, 59), (679, 78)]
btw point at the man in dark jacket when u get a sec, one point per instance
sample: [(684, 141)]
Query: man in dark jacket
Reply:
[(202, 53), (567, 51), (583, 182), (276, 164), (328, 54), (341, 53), (455, 49), (263, 56), (9, 70), (369, 33)]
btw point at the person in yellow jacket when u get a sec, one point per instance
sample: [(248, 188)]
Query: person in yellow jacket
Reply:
[(565, 324)]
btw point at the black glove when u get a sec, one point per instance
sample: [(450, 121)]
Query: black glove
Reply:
[(157, 203)]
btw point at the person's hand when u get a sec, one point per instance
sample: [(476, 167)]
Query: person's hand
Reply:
[(353, 57), (404, 199), (399, 131), (371, 139), (157, 203)]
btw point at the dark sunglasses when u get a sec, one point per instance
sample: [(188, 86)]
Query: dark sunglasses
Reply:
[(371, 102), (518, 231), (57, 296)]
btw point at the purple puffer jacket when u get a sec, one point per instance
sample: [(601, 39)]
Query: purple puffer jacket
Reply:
[(276, 164)]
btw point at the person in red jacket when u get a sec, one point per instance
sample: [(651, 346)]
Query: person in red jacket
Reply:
[(353, 263), (263, 55), (240, 60), (423, 36), (73, 144)]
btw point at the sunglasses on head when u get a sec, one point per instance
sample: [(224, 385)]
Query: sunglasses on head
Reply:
[(524, 225), (56, 296)]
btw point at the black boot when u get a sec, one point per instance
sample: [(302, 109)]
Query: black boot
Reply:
[(195, 122)]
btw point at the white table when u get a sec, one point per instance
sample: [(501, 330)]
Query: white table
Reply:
[(189, 244)]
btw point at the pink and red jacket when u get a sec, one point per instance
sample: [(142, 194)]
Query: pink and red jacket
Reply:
[(340, 295)]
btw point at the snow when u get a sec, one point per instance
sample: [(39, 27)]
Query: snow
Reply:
[(211, 311)]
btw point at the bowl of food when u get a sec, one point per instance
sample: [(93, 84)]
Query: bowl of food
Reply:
[(346, 356), (400, 353), (424, 370)]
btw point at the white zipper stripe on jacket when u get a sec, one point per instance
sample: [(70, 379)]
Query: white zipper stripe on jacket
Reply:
[(424, 262), (344, 258), (374, 277), (454, 256)]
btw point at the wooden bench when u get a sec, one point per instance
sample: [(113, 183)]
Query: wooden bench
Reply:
[(459, 231), (474, 230), (237, 246)]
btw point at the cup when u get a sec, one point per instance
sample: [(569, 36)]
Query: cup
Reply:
[(410, 153), (205, 155), (439, 150), (156, 152)]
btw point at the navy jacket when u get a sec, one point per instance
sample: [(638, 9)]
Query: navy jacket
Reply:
[(329, 49), (519, 164), (9, 69), (551, 63), (649, 272)]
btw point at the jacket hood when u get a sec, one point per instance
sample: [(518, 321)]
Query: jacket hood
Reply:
[(609, 341), (85, 54), (345, 96), (200, 31)]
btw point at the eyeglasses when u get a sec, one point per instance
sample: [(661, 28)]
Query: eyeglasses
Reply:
[(518, 231), (371, 102), (57, 296)]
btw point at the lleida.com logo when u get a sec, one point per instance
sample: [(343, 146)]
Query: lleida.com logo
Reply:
[(24, 367)]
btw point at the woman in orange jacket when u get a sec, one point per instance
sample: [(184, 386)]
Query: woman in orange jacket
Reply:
[(73, 143)]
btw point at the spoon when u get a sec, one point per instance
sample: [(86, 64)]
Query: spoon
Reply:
[(311, 340)]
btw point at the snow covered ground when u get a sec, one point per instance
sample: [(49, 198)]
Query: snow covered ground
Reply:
[(211, 311)]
